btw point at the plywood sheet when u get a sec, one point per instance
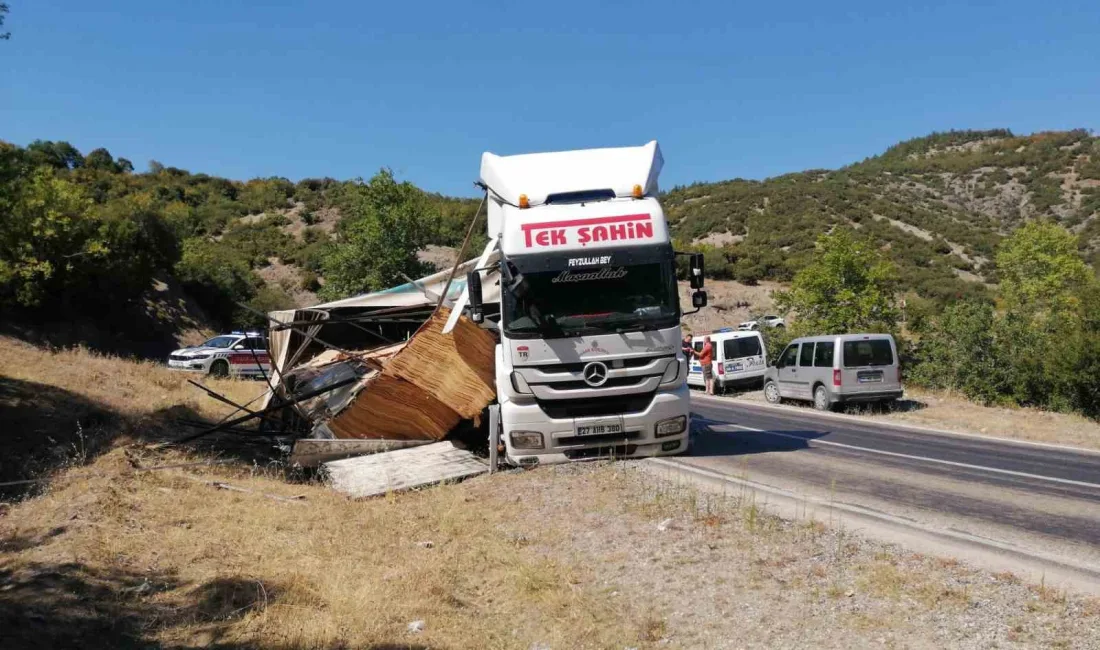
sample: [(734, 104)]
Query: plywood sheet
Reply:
[(309, 452), (367, 476)]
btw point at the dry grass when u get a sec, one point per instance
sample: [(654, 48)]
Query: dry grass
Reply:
[(943, 410), (580, 556), (57, 406)]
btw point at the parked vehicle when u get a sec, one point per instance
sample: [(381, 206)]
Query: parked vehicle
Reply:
[(242, 354), (589, 362), (766, 321), (830, 370), (740, 359)]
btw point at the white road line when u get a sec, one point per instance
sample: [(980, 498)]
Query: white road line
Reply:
[(795, 412), (818, 441)]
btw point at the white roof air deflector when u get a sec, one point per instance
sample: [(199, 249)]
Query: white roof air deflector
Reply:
[(539, 175)]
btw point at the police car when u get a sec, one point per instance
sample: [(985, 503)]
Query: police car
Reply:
[(241, 354), (740, 359)]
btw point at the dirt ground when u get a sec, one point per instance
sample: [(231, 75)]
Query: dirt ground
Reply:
[(582, 556), (723, 297), (943, 410), (133, 546)]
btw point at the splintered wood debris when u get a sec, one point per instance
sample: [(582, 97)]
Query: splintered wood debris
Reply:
[(419, 390)]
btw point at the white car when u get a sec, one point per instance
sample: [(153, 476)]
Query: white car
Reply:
[(767, 321), (239, 353)]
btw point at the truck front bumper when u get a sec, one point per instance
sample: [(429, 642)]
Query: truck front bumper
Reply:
[(562, 442)]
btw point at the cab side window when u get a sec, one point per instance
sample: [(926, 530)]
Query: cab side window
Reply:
[(823, 355), (806, 359), (789, 356)]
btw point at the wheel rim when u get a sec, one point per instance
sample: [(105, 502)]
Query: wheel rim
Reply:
[(821, 400), (771, 393), (220, 369)]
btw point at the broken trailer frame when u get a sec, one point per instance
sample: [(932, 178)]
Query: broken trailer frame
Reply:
[(381, 398)]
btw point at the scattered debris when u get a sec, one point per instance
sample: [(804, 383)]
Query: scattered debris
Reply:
[(221, 485), (312, 452), (416, 627), (663, 526), (427, 544), (403, 469)]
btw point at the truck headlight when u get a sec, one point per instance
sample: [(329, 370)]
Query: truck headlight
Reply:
[(526, 439), (519, 384), (671, 426), (672, 371)]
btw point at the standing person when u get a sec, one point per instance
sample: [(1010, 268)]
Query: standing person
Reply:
[(706, 358), (687, 347)]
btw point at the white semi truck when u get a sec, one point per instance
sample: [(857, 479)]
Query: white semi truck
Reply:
[(589, 362)]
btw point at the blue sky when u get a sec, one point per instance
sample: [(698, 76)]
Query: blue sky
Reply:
[(341, 88)]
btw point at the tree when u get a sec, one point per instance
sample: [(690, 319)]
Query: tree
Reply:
[(100, 159), (848, 287), (46, 239), (386, 223), (59, 155), (3, 10), (1041, 271)]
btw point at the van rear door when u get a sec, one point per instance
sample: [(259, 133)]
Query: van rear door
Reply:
[(744, 356), (868, 364)]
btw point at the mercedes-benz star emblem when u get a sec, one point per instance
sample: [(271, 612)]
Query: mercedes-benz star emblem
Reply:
[(595, 374)]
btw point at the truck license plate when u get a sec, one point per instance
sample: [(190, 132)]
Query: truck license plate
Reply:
[(599, 429)]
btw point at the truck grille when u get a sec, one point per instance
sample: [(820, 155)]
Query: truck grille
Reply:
[(607, 438), (600, 452), (616, 382), (560, 409), (633, 362)]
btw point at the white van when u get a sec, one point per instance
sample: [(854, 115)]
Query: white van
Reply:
[(740, 359)]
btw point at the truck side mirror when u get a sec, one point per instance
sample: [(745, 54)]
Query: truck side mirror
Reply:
[(697, 273), (473, 290), (699, 299)]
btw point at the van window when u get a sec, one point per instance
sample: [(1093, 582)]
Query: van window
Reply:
[(823, 355), (748, 346), (806, 359), (868, 353), (789, 356)]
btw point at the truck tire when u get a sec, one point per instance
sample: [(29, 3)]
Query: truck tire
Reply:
[(771, 393), (220, 368)]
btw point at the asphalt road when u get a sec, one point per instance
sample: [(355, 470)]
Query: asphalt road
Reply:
[(1031, 498)]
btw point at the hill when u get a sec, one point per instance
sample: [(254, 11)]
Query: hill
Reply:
[(939, 204), (87, 231)]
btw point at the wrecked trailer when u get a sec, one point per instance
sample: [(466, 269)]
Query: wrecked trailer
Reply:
[(394, 376)]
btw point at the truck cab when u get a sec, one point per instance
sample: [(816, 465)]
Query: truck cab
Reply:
[(589, 362)]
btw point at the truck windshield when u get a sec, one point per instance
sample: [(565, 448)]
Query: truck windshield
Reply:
[(579, 301)]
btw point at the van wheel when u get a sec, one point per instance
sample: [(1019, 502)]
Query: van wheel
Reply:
[(821, 399), (771, 393), (219, 368)]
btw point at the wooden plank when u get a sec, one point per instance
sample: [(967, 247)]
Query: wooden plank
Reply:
[(391, 408), (457, 368), (403, 469), (310, 452)]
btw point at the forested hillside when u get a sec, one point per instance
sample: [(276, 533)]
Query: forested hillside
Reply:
[(938, 205), (86, 238)]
